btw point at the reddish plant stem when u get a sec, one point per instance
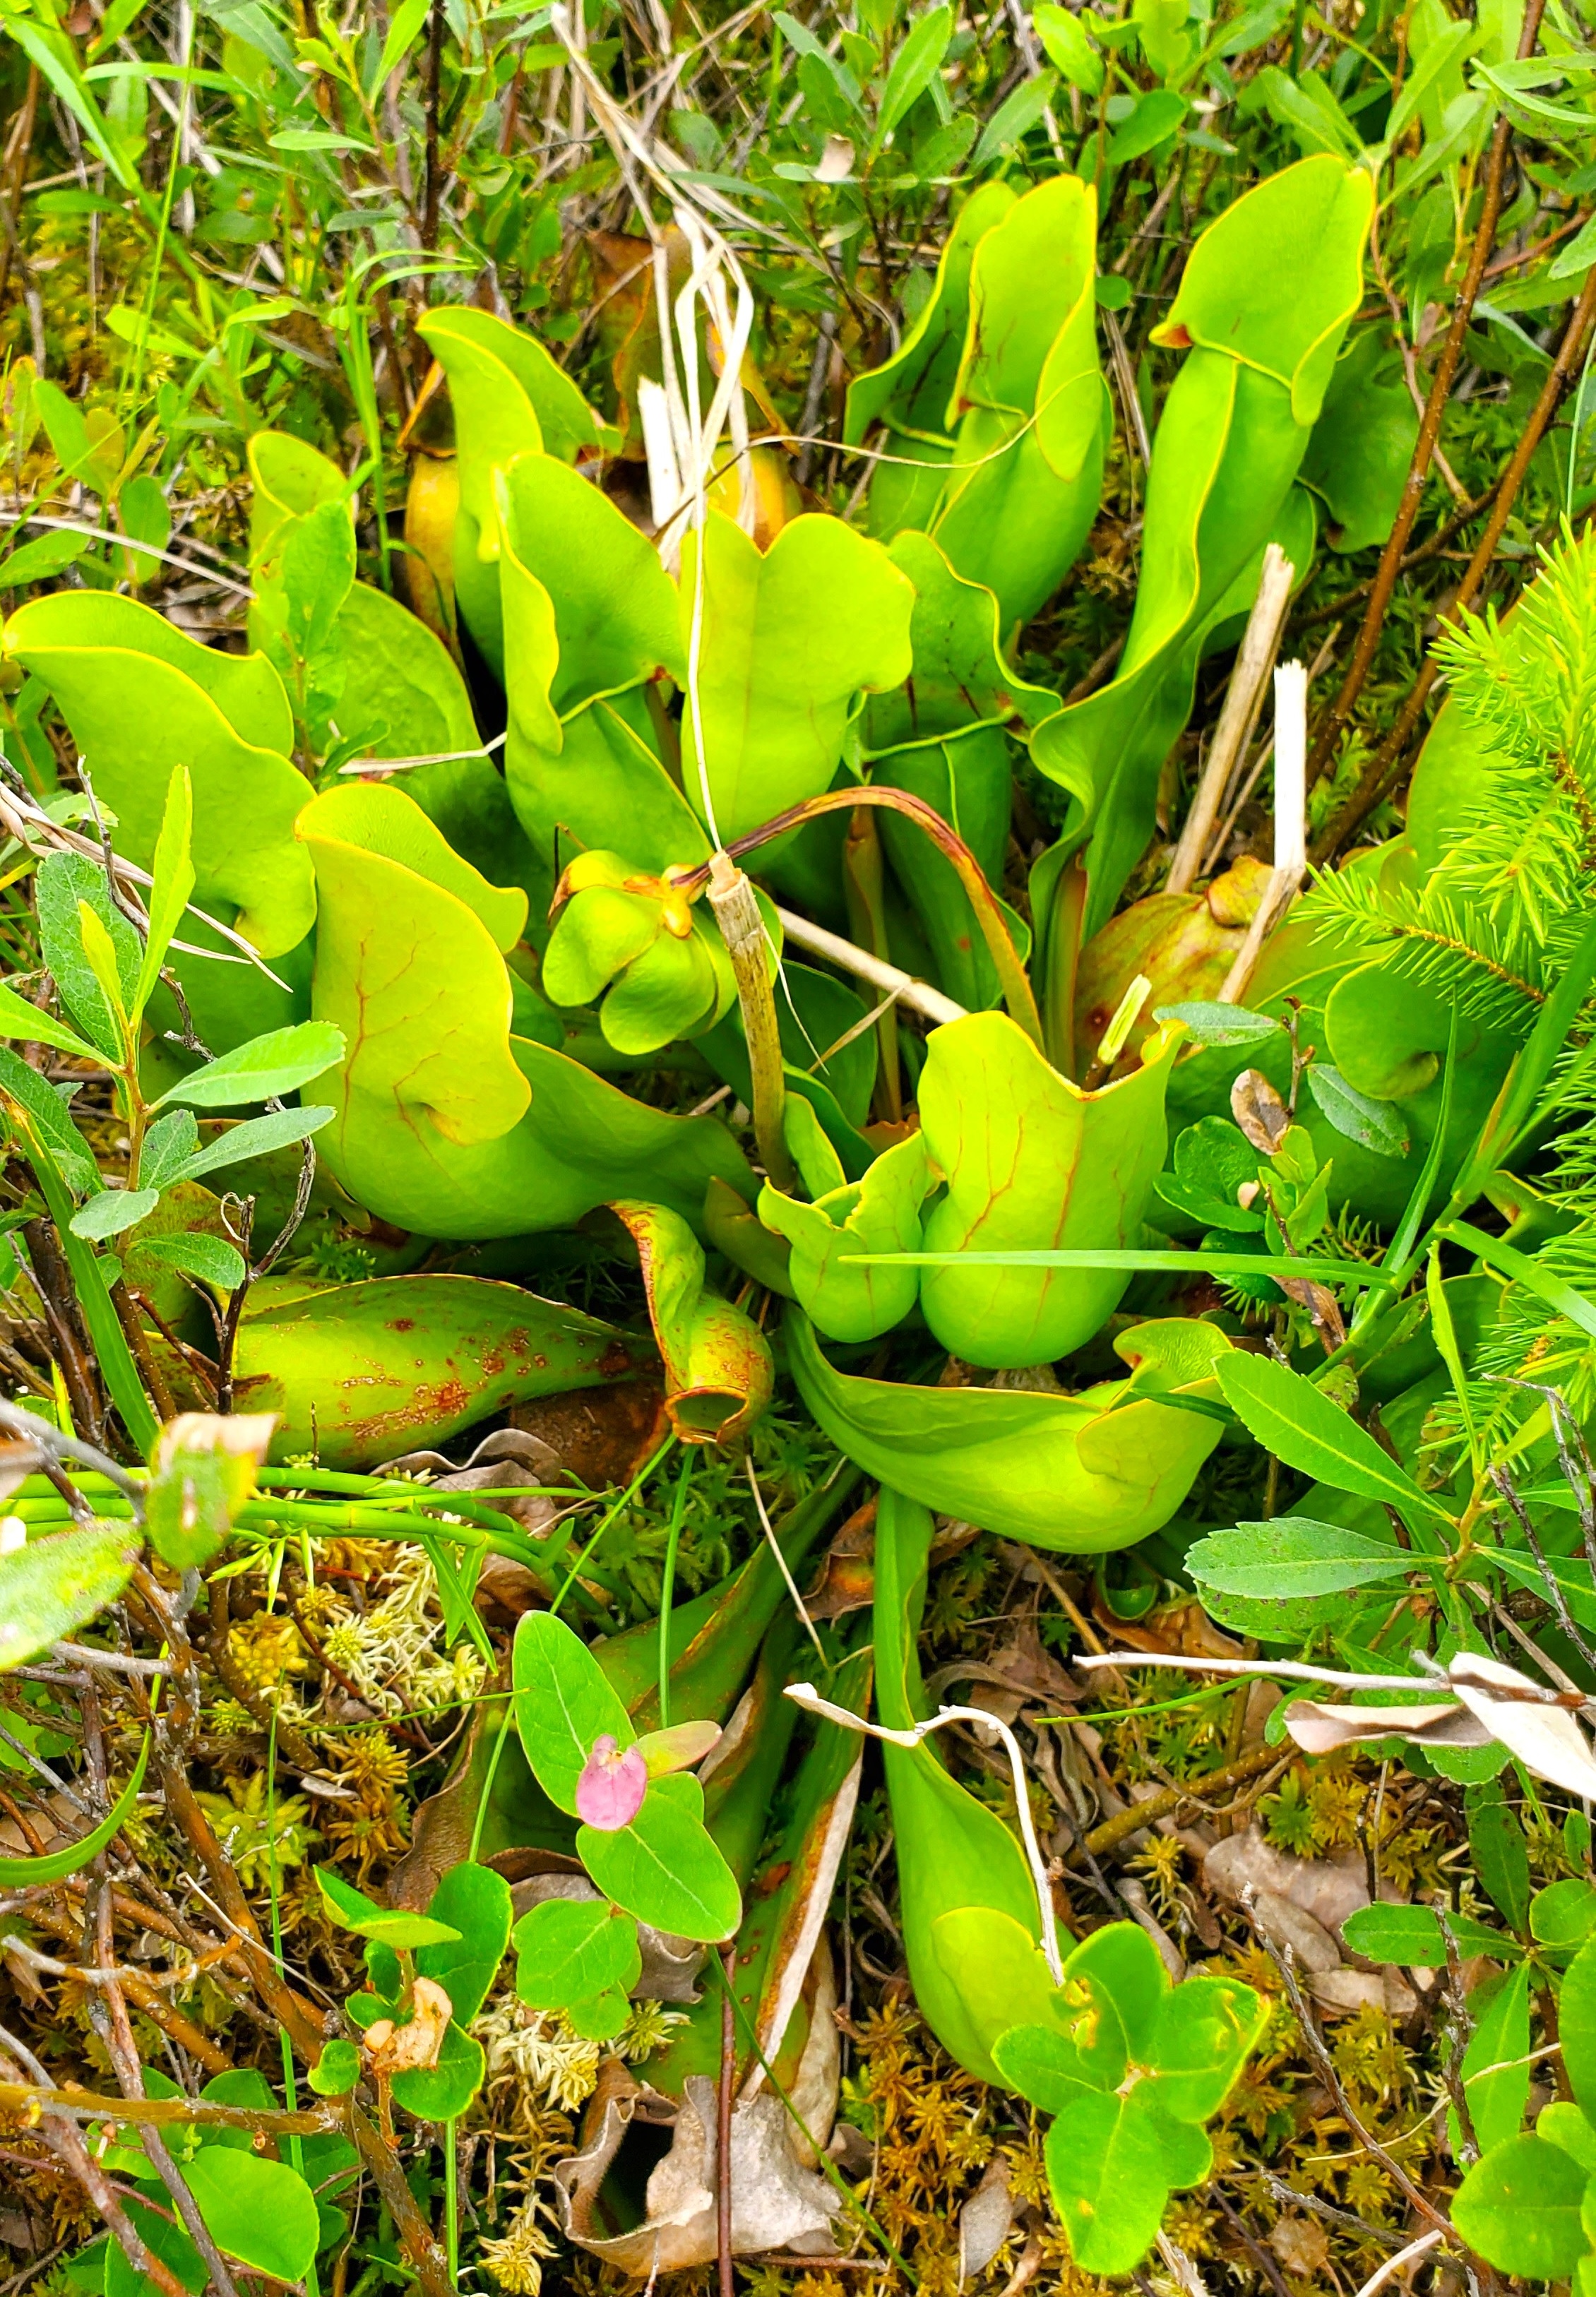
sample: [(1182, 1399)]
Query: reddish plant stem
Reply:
[(433, 187), (1381, 774), (1429, 434), (1463, 516), (60, 2134), (729, 2059), (53, 1282)]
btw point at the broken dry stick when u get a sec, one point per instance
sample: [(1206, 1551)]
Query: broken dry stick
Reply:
[(1244, 698), (805, 1695)]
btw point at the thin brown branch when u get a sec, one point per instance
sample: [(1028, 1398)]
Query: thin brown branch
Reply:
[(1429, 432), (1159, 1806), (291, 1741), (1324, 2060), (1380, 776), (169, 2113)]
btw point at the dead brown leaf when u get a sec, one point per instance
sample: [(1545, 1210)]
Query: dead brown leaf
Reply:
[(1183, 1629), (985, 2220), (1259, 1110), (603, 1434), (775, 2203), (1363, 1989), (408, 2048), (1287, 1924), (1303, 2247), (846, 1579), (1327, 1888)]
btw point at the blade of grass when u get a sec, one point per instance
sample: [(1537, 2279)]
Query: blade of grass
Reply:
[(668, 1584), (1177, 1264)]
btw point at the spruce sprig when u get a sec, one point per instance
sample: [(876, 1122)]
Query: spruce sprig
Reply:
[(1490, 927)]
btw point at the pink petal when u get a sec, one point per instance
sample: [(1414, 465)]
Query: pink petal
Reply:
[(609, 1793)]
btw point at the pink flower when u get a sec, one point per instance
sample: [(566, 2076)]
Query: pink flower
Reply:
[(609, 1793)]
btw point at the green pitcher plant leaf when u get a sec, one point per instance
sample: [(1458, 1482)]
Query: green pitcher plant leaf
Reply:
[(289, 479), (714, 1638), (1085, 1474), (969, 1910), (879, 1213), (777, 2002), (143, 699), (790, 1897), (995, 412), (1183, 946), (1029, 403), (909, 395), (787, 638), (495, 1134), (395, 689), (942, 736), (1264, 303), (509, 399), (1032, 1162), (592, 621)]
